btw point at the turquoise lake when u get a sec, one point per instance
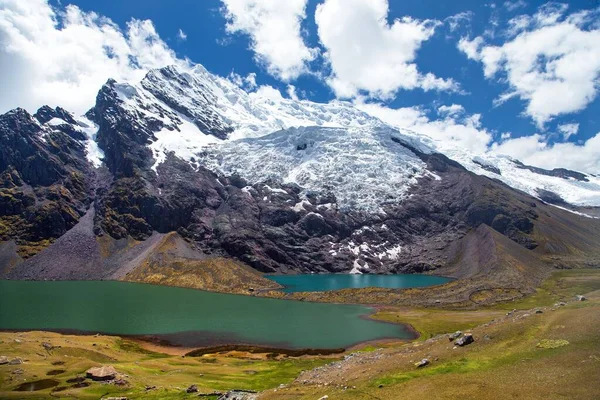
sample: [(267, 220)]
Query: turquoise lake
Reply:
[(324, 282), (186, 317)]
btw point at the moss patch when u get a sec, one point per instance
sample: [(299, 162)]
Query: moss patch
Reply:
[(552, 343)]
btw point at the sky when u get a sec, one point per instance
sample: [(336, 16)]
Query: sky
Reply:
[(516, 77)]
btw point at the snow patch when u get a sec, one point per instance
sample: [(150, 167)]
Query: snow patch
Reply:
[(56, 121), (276, 190), (185, 141), (299, 207), (94, 154), (356, 269)]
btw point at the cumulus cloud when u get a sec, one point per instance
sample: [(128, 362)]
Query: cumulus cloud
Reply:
[(551, 60), (366, 54), (535, 150), (63, 57), (274, 28), (568, 130), (454, 129), (451, 110)]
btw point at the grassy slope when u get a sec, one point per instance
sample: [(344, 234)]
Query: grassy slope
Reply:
[(171, 374)]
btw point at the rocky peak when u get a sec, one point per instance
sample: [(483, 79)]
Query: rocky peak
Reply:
[(45, 114)]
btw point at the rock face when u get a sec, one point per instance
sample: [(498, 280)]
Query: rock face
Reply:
[(45, 179), (279, 185), (104, 373), (465, 340)]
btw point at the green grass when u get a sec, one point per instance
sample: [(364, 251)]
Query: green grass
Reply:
[(132, 347), (430, 322), (459, 366), (561, 286), (171, 374)]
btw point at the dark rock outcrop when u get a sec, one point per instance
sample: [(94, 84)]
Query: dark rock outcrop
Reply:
[(45, 180)]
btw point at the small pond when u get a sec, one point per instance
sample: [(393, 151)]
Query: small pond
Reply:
[(34, 386)]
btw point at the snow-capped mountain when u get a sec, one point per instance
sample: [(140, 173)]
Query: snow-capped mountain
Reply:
[(280, 184), (210, 120)]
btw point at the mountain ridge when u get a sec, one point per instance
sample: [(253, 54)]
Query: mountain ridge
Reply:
[(280, 185)]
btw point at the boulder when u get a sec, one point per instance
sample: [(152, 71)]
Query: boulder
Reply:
[(424, 362), (465, 340), (192, 389), (3, 360), (104, 373), (454, 335), (15, 361), (239, 395), (580, 298)]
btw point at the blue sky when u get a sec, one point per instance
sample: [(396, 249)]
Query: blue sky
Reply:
[(537, 115)]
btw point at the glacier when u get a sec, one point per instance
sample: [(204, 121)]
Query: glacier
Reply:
[(333, 147)]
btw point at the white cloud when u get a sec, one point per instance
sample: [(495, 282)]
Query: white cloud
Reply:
[(451, 110), (64, 57), (291, 92), (274, 28), (458, 20), (534, 150), (267, 92), (455, 129), (367, 54), (471, 47), (514, 5), (553, 62), (568, 130), (248, 82), (181, 35)]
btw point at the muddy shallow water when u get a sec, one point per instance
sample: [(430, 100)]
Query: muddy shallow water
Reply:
[(36, 385)]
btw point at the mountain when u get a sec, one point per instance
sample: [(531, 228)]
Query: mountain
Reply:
[(281, 185)]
